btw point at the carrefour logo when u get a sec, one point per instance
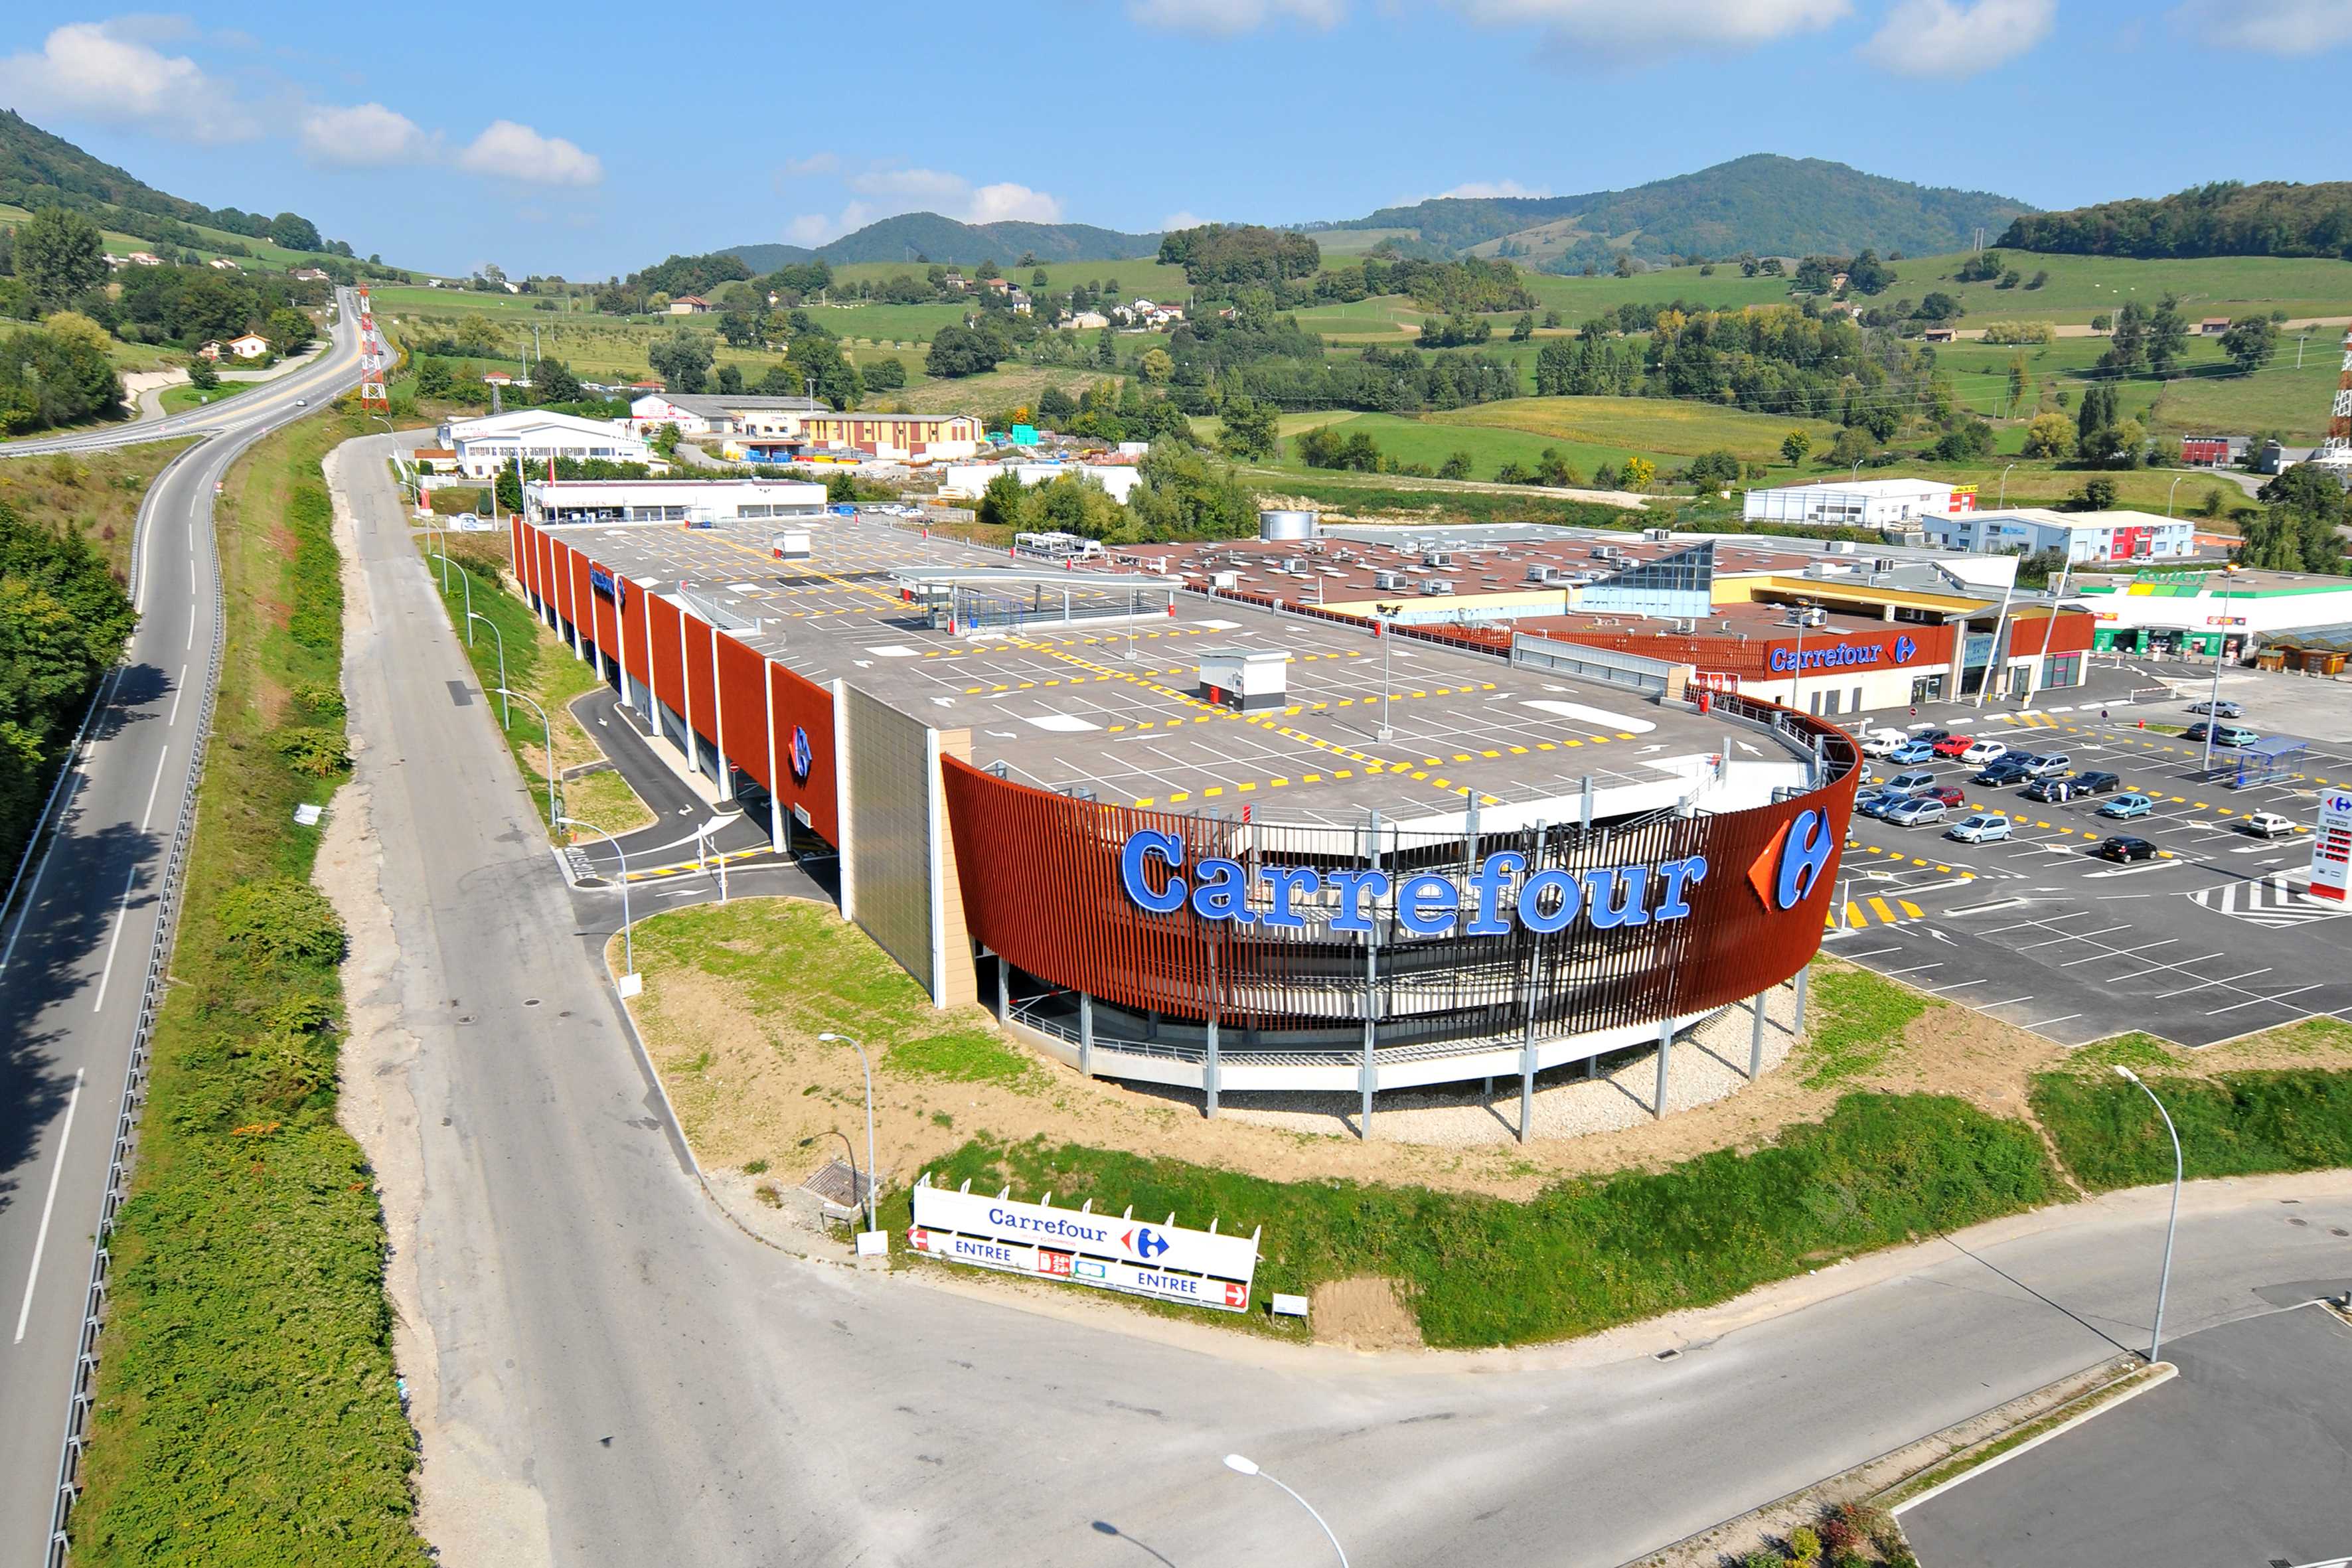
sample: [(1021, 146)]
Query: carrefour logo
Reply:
[(1904, 648), (1144, 1242), (1844, 656), (803, 759), (1791, 866)]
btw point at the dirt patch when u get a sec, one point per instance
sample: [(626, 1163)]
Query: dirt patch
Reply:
[(1364, 1312)]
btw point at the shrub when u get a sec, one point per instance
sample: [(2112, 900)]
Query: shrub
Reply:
[(323, 698), (281, 917), (1837, 1535), (1804, 1545), (313, 750), (755, 1167)]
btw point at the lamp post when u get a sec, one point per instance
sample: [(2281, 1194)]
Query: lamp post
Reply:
[(2167, 493), (628, 949), (1387, 629), (504, 711), (2002, 504), (1242, 1466), (2212, 718), (554, 806), (870, 1167), (2155, 1335)]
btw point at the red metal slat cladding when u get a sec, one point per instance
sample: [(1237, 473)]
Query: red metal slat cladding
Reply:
[(668, 684), (1040, 878), (605, 622), (581, 601), (632, 650), (802, 704), (532, 545), (699, 690), (744, 709), (514, 547)]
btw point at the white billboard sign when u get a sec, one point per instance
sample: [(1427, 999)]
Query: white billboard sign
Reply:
[(2331, 848), (1111, 1252)]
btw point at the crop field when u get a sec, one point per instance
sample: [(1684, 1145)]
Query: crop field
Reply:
[(1427, 442), (1642, 425), (2081, 287), (876, 323)]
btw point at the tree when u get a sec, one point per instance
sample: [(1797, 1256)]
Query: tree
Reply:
[(552, 380), (2250, 343), (883, 374), (1106, 350), (1524, 328), (1156, 367), (2307, 491), (2020, 382), (2127, 349), (1250, 430), (1866, 274), (740, 329), (2096, 495), (682, 359), (728, 378), (959, 351), (1715, 470), (2167, 336), (1555, 470), (1795, 444), (1551, 318), (1037, 279), (296, 232), (203, 377), (2049, 436), (1456, 467), (1000, 502), (290, 331), (59, 255), (1852, 445), (1624, 264), (1638, 474)]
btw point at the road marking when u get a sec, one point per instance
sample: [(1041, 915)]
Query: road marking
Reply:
[(179, 689), (48, 1205), (2047, 1022), (1986, 909), (121, 919), (2279, 996), (145, 815)]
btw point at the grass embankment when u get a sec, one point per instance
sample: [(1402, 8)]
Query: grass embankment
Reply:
[(2230, 1124), (247, 1412), (95, 494), (181, 399), (540, 666)]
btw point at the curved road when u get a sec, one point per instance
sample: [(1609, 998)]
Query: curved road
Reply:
[(609, 1373), (76, 941)]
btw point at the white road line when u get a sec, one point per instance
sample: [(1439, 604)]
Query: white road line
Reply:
[(2047, 1022), (1956, 984), (1914, 969), (147, 814), (192, 629), (1873, 953), (2205, 985), (179, 689), (121, 919), (48, 1205), (1982, 909), (1989, 1007), (2251, 1001)]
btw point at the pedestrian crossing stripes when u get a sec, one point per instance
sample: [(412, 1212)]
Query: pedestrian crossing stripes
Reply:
[(2035, 720), (2271, 901), (1860, 912)]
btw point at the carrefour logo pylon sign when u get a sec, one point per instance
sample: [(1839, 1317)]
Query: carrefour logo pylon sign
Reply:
[(1844, 656)]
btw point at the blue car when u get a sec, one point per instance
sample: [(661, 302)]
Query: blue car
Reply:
[(1912, 752), (2134, 804), (1879, 802), (842, 509)]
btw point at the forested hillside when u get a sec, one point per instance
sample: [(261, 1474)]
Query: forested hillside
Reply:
[(2274, 218)]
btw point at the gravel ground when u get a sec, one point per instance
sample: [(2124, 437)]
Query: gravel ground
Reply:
[(1709, 1063)]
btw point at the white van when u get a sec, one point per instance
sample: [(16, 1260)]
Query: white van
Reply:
[(1878, 742)]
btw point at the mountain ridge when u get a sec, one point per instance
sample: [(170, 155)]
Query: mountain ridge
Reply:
[(920, 238)]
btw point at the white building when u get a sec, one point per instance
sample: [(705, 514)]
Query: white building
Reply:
[(485, 445), (1858, 503), (670, 500), (966, 481), (2083, 535), (723, 414), (250, 347)]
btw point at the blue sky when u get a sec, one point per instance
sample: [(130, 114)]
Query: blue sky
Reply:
[(590, 139)]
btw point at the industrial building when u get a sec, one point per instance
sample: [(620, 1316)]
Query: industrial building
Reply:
[(721, 414), (2121, 535), (966, 481), (1890, 504), (482, 446), (2226, 609), (897, 438), (691, 502)]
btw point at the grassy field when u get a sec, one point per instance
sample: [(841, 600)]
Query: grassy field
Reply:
[(180, 399), (246, 1412), (1009, 386), (1142, 277), (2081, 287), (2277, 397), (1642, 425), (97, 493), (1426, 441), (909, 325)]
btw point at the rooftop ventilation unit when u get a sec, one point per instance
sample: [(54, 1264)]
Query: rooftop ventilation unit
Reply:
[(1437, 585), (1657, 535), (1391, 581), (1435, 558)]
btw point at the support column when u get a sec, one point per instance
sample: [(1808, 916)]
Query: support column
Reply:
[(1755, 1036), (1803, 976), (1665, 1048), (1371, 986), (1527, 1086), (1209, 1073), (1003, 989), (1085, 1035), (779, 836)]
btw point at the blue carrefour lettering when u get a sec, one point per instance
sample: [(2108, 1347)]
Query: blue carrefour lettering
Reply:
[(1803, 855), (1169, 851)]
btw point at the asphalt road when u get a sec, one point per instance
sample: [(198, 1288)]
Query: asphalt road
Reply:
[(75, 943), (2214, 939), (624, 1377), (2245, 1458)]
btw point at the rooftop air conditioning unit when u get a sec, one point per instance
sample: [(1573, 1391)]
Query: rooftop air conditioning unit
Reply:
[(1657, 535), (1437, 585), (1226, 579), (1435, 558), (1841, 547), (1389, 580)]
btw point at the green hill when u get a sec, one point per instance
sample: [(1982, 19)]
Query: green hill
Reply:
[(928, 236), (1763, 203), (2274, 218)]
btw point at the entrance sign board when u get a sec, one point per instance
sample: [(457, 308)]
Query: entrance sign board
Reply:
[(1111, 1252), (2331, 848)]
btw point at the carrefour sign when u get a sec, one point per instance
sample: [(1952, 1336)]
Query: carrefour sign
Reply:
[(1845, 656), (1111, 1252), (1547, 900)]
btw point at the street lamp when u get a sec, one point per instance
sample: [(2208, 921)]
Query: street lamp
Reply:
[(1242, 1466), (1387, 630), (554, 806), (2155, 1335), (2002, 504), (2168, 493), (870, 1167), (628, 982), (470, 618)]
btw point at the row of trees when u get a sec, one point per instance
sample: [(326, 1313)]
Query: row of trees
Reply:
[(57, 373), (1219, 256), (2224, 218)]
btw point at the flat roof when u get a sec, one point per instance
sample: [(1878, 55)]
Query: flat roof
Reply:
[(1066, 706)]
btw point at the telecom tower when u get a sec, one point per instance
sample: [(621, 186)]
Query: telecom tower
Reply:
[(2337, 448), (371, 392)]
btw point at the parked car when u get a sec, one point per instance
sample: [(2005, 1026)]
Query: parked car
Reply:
[(1880, 801), (1949, 795), (1931, 736), (1984, 752), (2047, 764), (1912, 752), (1983, 827), (1951, 745), (1883, 743), (2096, 782), (2234, 735), (2224, 710), (2002, 771), (2126, 850), (2128, 806), (1916, 812), (842, 509), (1912, 782), (2050, 791), (2269, 825), (2196, 731)]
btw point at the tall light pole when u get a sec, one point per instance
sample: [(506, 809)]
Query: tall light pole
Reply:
[(2168, 493), (1242, 1466), (2164, 1280), (627, 985), (1387, 629), (504, 711), (870, 1167), (2220, 641), (2002, 504), (554, 806)]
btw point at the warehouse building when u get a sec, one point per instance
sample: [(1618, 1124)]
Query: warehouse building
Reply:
[(2081, 536), (481, 448), (1859, 504), (2226, 609), (690, 502)]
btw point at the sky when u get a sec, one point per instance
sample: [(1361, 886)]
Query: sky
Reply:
[(588, 140)]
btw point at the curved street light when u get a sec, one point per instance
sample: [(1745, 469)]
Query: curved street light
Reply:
[(1242, 1466), (2155, 1335), (871, 1168), (629, 950), (470, 618), (554, 806), (2002, 504)]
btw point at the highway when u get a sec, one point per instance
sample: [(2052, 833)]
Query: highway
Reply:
[(77, 942), (607, 1372)]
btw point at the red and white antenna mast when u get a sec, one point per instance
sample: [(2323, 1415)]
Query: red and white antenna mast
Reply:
[(2337, 448), (371, 392)]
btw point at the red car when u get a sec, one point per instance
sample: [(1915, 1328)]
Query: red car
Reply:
[(1946, 793), (1953, 745)]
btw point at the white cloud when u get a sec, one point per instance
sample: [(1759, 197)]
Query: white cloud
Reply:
[(1661, 26), (935, 190), (1224, 18), (1009, 203), (105, 72), (1493, 190), (1951, 38), (365, 136), (1183, 220), (929, 186), (814, 163), (511, 151), (2272, 26)]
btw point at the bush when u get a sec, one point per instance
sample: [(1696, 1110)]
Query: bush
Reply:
[(1804, 1545), (282, 918), (314, 751)]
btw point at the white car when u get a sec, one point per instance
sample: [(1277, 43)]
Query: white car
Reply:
[(1882, 742), (1982, 751), (1979, 828), (2269, 825)]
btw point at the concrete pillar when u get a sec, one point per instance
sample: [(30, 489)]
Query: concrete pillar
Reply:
[(1209, 1073), (1003, 989), (1371, 988), (1802, 975), (1584, 811), (1151, 1026), (1527, 1090), (1665, 1048), (1085, 1035), (1755, 1036)]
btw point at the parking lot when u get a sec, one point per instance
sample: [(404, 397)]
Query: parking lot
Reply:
[(2212, 938)]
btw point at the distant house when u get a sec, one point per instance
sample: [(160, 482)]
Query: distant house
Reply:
[(498, 378), (2212, 451), (116, 263), (1089, 321), (1938, 335), (223, 264), (250, 347), (955, 280), (210, 351), (145, 259), (690, 305), (1837, 281), (996, 285), (2213, 326), (309, 275)]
